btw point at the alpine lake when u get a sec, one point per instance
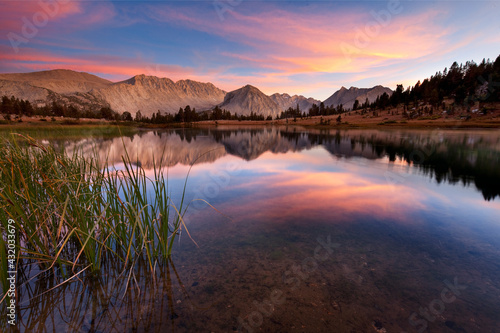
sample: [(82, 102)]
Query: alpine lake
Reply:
[(298, 230)]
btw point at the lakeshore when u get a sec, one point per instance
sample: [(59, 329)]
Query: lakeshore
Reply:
[(391, 118)]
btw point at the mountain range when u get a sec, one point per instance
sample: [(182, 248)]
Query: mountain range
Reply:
[(286, 101), (347, 97), (150, 94)]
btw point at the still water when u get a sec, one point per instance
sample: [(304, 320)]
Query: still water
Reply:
[(313, 231)]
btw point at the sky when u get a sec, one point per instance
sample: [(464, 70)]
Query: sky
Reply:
[(311, 48)]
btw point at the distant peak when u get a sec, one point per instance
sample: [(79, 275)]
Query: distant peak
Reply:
[(187, 81), (249, 88), (143, 78), (148, 77)]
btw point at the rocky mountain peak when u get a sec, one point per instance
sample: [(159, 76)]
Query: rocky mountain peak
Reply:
[(347, 97), (248, 99), (250, 88)]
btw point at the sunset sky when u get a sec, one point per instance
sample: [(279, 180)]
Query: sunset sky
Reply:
[(309, 48)]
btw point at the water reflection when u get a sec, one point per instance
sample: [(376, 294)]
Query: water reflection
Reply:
[(105, 303), (467, 157)]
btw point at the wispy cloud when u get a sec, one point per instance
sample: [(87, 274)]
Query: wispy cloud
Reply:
[(292, 42), (283, 43)]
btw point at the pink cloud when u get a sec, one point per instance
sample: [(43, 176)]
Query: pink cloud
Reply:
[(14, 13), (49, 22), (103, 12)]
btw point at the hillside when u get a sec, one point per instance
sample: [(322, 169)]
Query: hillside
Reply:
[(61, 81)]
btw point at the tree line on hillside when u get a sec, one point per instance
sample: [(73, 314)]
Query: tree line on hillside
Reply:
[(189, 115), (464, 84), (13, 108), (314, 110)]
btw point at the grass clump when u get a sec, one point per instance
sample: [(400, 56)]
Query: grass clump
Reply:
[(74, 212), (387, 122)]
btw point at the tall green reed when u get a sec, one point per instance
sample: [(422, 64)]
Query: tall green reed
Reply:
[(74, 212)]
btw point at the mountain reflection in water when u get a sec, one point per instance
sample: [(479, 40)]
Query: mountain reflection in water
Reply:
[(469, 157)]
